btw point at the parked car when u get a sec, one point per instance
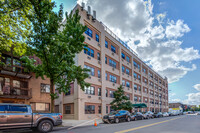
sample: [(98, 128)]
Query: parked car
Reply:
[(197, 113), (137, 116), (148, 115), (158, 115), (170, 114), (21, 116), (165, 114), (117, 116)]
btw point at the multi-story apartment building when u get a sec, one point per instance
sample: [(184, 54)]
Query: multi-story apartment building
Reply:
[(112, 63), (20, 86)]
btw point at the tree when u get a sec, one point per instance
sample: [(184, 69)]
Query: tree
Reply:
[(56, 48), (121, 101), (14, 26)]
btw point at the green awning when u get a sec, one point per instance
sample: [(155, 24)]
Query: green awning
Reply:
[(140, 105)]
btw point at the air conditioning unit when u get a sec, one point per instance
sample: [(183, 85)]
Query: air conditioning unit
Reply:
[(113, 84), (122, 59), (113, 68), (113, 53), (99, 62), (89, 57), (89, 96), (128, 76), (89, 77), (99, 45), (88, 38), (135, 79), (100, 98), (128, 88), (99, 80)]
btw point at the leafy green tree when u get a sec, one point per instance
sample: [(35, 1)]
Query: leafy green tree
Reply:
[(56, 48), (14, 26), (121, 101)]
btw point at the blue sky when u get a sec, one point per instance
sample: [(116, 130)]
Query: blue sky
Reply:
[(175, 10)]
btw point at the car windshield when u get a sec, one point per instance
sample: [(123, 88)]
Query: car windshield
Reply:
[(113, 112)]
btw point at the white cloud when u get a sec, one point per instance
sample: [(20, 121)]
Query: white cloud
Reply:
[(193, 99), (157, 37), (174, 100), (175, 30), (197, 87)]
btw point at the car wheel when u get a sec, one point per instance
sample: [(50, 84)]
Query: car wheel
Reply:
[(128, 119), (45, 126), (116, 120)]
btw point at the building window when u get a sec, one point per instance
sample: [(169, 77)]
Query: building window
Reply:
[(127, 71), (68, 92), (113, 79), (135, 87), (113, 49), (91, 72), (89, 109), (112, 94), (127, 84), (45, 88), (144, 70), (123, 82), (97, 37), (67, 109), (123, 69), (90, 90), (123, 56), (88, 32), (106, 76), (112, 63), (99, 109), (89, 51), (106, 44), (139, 88), (139, 78), (106, 109), (106, 93), (106, 60), (99, 91), (111, 109), (135, 75), (98, 56), (135, 98), (127, 59), (40, 107), (128, 96), (99, 74)]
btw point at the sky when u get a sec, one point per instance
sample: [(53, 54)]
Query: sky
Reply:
[(164, 33)]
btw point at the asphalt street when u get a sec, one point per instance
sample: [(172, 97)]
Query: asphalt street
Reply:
[(175, 124)]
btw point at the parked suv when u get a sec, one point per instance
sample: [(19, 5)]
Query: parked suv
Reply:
[(117, 116), (148, 115), (137, 116), (21, 116), (158, 115)]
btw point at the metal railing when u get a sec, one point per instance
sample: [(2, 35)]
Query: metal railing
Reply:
[(18, 93)]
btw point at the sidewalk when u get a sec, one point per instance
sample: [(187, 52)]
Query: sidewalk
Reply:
[(67, 123)]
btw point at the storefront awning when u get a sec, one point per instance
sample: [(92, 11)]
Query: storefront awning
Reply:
[(140, 105)]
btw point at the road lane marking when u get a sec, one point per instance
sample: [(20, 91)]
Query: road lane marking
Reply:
[(136, 128)]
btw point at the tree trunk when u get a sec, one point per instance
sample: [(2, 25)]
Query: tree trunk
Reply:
[(52, 92)]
